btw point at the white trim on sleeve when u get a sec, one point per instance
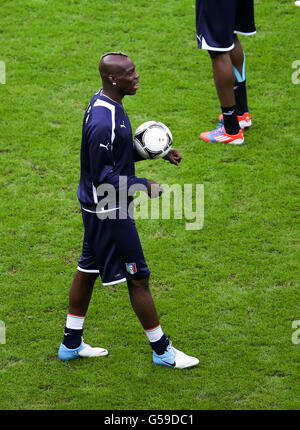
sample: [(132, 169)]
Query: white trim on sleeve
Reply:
[(112, 109)]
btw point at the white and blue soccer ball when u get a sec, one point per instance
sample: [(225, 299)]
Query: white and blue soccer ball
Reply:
[(153, 139)]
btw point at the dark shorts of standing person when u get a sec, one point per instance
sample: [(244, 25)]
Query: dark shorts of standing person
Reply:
[(218, 20), (112, 248)]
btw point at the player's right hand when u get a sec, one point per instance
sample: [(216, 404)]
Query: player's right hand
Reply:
[(154, 189)]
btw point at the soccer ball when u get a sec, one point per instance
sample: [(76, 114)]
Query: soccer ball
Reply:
[(153, 139)]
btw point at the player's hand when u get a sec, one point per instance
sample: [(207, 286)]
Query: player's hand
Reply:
[(154, 189), (173, 156)]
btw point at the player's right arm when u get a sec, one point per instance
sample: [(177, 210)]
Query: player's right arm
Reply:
[(100, 151)]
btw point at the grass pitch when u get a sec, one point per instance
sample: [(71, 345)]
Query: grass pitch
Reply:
[(228, 293)]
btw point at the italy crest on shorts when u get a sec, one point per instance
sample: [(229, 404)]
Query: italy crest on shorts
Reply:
[(131, 268)]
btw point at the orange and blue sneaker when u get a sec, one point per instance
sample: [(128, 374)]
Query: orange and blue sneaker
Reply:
[(244, 120), (220, 135)]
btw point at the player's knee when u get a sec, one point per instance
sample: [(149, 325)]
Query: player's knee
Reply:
[(217, 54), (85, 279), (138, 283)]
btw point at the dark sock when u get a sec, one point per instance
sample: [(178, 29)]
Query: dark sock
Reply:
[(240, 92), (161, 345), (72, 338), (231, 123)]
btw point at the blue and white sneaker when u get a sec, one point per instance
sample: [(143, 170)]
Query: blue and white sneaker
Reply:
[(84, 350), (172, 357)]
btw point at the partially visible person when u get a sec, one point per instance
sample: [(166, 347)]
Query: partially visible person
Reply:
[(218, 22), (111, 244)]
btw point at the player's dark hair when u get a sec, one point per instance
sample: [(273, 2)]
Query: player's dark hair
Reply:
[(113, 53), (106, 55)]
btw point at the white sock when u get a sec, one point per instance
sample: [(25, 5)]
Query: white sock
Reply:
[(154, 334), (75, 322)]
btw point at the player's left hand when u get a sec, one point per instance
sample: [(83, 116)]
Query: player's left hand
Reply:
[(173, 156)]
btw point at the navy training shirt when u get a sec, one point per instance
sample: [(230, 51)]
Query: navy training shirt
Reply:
[(107, 150)]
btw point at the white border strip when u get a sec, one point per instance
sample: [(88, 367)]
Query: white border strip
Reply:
[(114, 282), (101, 211), (112, 109), (204, 45), (87, 271), (245, 34), (95, 194), (103, 283)]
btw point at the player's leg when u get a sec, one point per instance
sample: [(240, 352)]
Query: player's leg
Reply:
[(245, 25), (163, 352), (81, 292), (72, 345), (224, 79), (134, 267), (215, 22), (237, 56), (79, 299), (80, 295), (144, 308), (229, 130), (142, 302), (137, 273)]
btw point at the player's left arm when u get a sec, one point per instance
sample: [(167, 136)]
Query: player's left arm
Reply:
[(173, 156)]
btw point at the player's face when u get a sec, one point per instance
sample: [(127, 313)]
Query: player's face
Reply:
[(127, 80)]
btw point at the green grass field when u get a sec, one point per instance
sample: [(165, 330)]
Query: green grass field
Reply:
[(228, 293)]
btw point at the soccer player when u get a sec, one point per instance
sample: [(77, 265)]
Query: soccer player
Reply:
[(218, 22), (111, 245)]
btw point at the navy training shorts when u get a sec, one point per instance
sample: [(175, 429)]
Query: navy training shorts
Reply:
[(112, 248), (218, 20)]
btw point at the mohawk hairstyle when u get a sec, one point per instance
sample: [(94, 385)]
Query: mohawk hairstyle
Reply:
[(106, 55), (113, 53)]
